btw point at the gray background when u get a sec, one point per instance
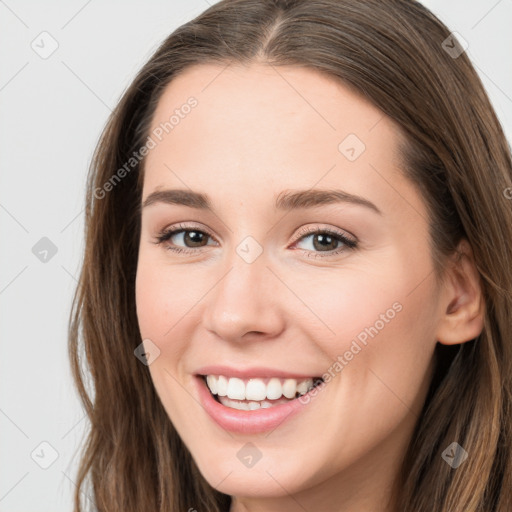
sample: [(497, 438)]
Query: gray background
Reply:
[(52, 111)]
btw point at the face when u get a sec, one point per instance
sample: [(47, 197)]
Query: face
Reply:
[(264, 289)]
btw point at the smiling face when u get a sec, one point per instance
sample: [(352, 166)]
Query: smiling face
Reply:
[(282, 288)]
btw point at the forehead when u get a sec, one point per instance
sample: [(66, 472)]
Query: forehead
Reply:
[(261, 99), (263, 127)]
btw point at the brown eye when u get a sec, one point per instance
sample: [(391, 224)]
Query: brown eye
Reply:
[(183, 238), (190, 238), (326, 241)]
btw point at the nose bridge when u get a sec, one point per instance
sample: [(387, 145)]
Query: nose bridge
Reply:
[(245, 298)]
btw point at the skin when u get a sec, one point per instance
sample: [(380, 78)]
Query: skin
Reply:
[(255, 132)]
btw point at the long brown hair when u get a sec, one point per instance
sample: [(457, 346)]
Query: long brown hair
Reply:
[(394, 52)]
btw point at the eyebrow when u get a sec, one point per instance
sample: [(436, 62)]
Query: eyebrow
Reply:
[(286, 200)]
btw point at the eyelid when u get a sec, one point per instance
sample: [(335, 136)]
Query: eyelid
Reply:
[(176, 228), (308, 230)]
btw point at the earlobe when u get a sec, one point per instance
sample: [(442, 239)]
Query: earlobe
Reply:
[(463, 308)]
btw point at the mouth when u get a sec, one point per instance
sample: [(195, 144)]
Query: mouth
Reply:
[(257, 393)]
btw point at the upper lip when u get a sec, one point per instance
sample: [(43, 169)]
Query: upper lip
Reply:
[(254, 371)]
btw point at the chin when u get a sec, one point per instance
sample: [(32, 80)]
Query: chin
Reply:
[(266, 478)]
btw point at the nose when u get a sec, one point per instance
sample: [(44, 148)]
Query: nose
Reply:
[(245, 302)]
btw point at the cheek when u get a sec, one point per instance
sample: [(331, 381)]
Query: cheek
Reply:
[(151, 309), (347, 303), (384, 353), (380, 320), (159, 308), (162, 305), (164, 297)]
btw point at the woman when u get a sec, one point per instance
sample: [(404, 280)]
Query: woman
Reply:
[(296, 291)]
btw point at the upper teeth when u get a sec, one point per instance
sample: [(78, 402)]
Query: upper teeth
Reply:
[(257, 389)]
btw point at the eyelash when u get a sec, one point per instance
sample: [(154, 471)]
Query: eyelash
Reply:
[(348, 243)]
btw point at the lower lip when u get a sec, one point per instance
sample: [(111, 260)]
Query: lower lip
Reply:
[(247, 422)]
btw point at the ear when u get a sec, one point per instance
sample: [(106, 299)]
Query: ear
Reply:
[(463, 306)]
